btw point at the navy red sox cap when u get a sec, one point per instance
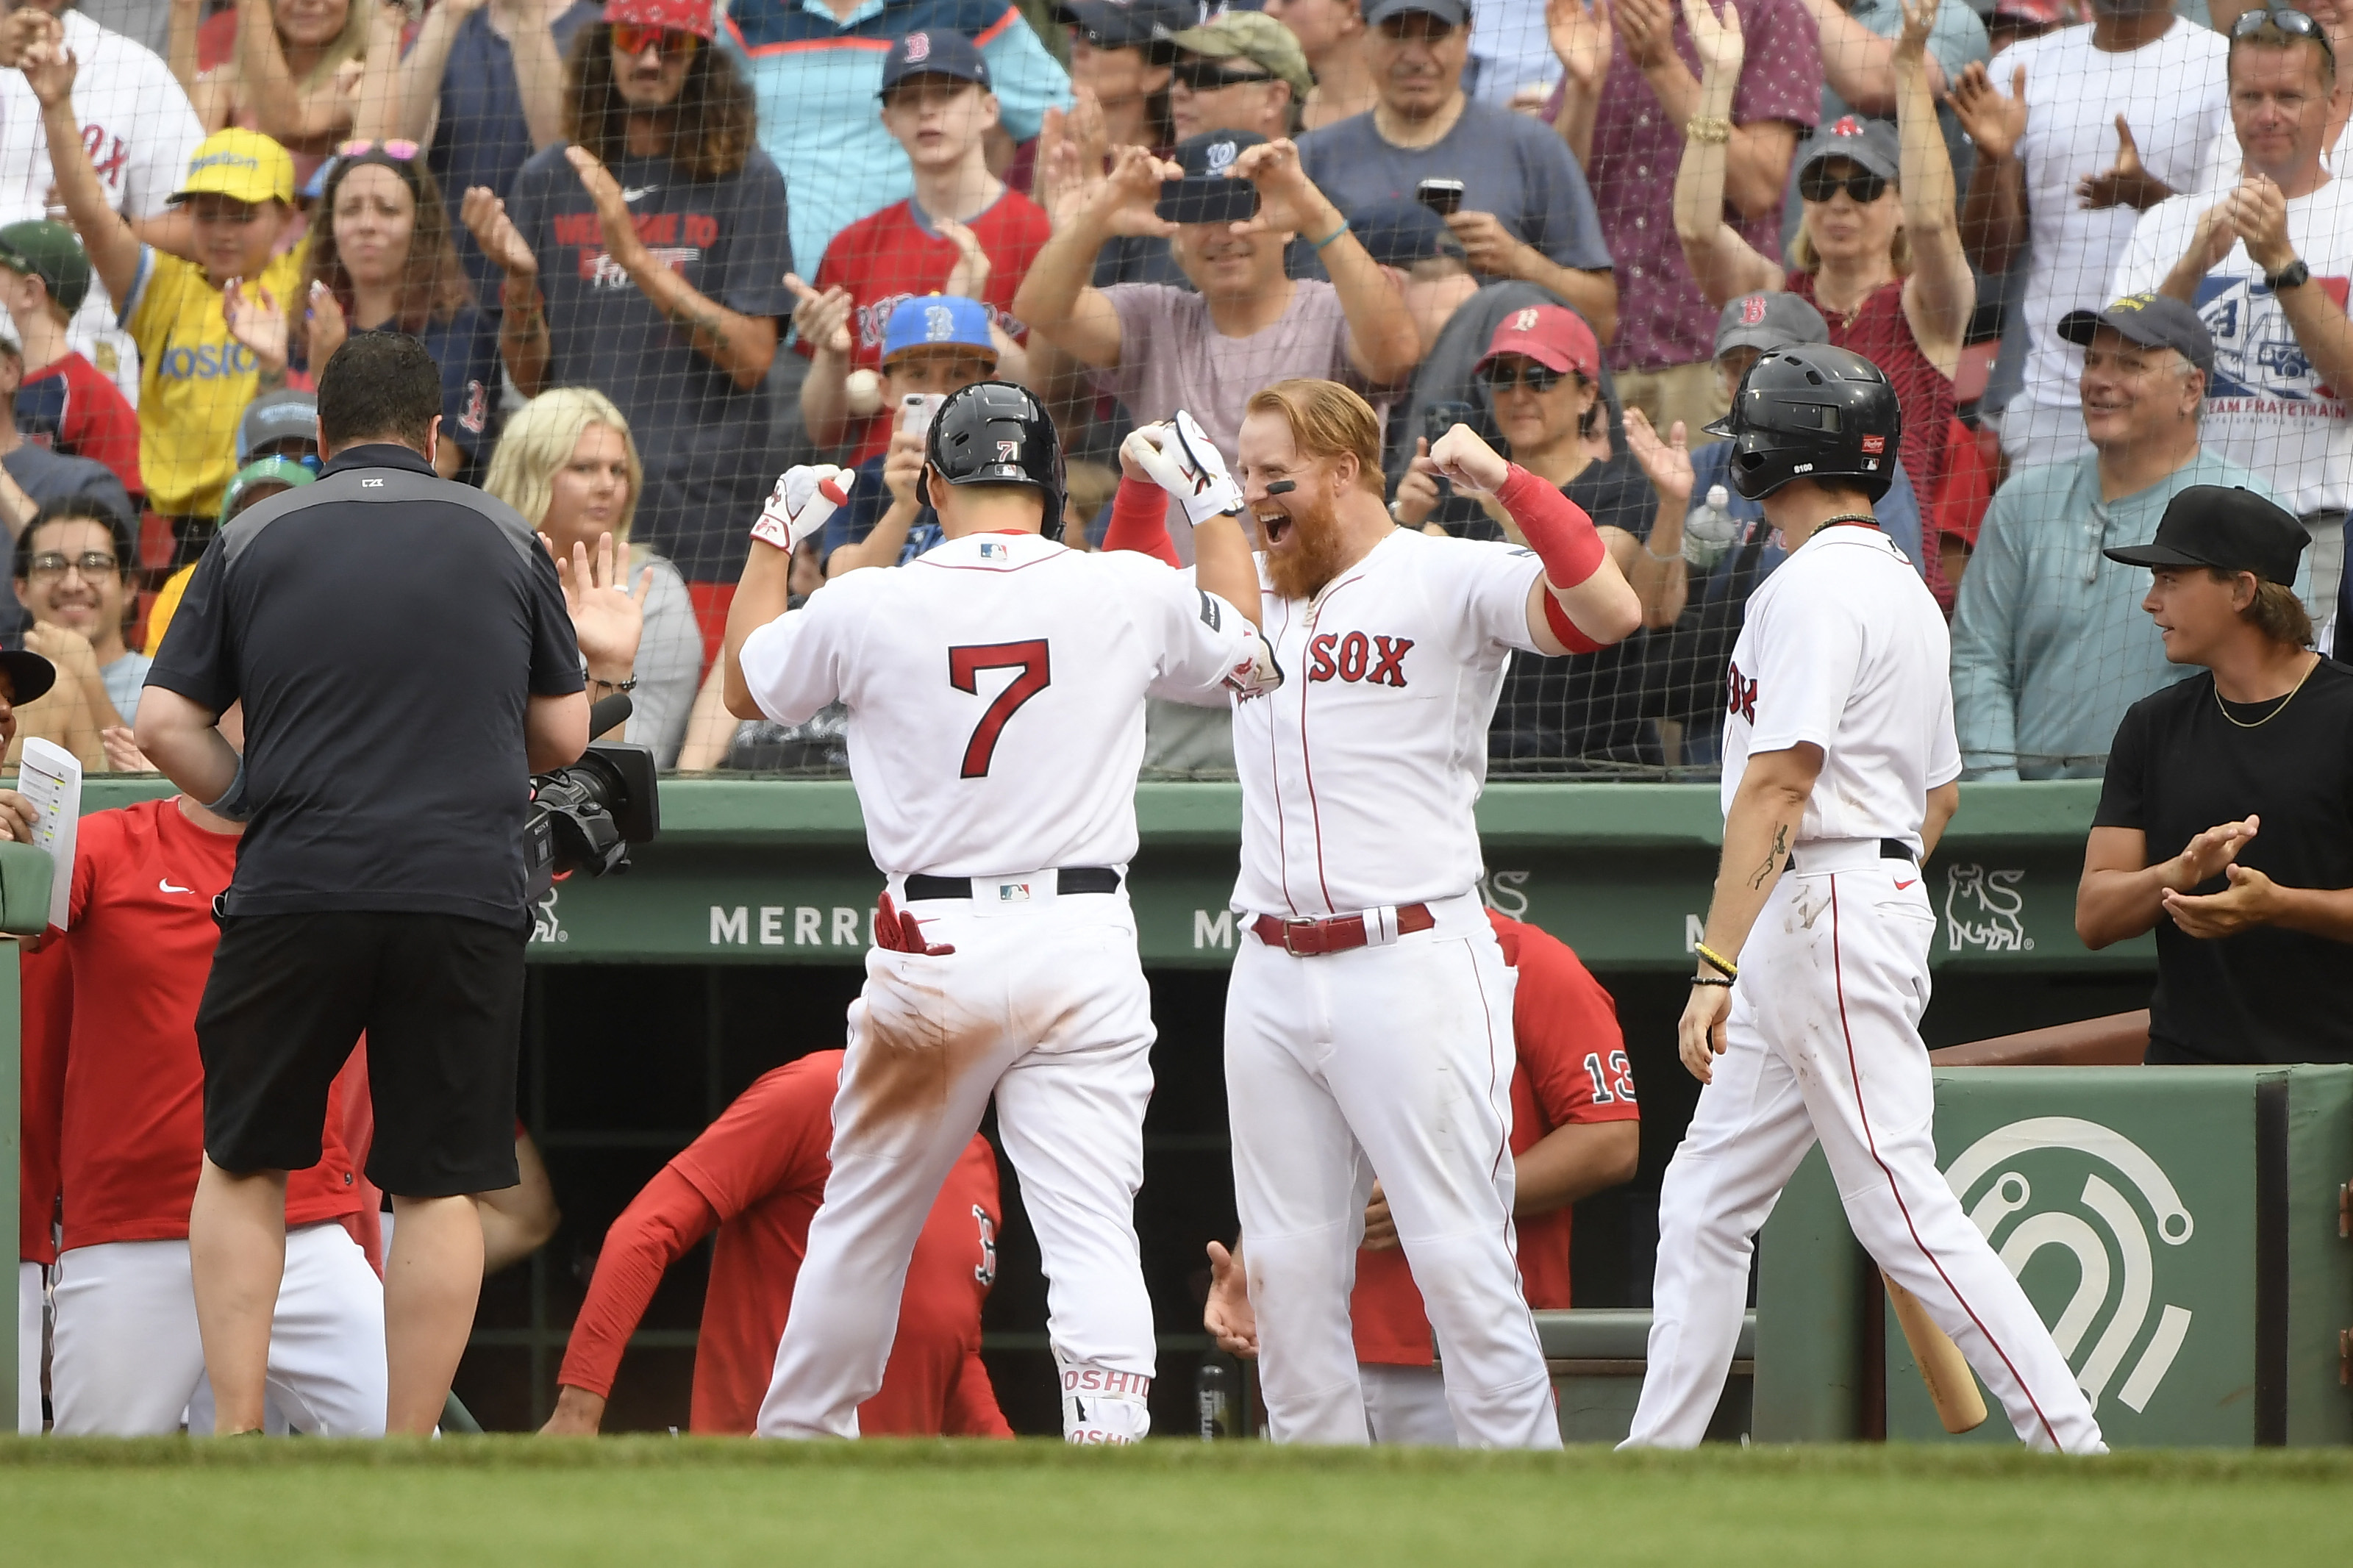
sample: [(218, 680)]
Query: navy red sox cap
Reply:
[(934, 51), (2152, 320)]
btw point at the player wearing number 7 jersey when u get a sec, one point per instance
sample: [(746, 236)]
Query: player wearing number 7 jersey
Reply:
[(994, 687)]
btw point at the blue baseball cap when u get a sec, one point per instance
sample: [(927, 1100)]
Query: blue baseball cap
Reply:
[(1398, 234), (934, 51), (937, 319)]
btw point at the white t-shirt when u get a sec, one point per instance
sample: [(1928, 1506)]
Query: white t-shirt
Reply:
[(2175, 94), (1359, 775), (140, 130), (996, 689), (1843, 647), (2266, 408)]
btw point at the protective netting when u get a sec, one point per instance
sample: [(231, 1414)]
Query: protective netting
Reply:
[(652, 280)]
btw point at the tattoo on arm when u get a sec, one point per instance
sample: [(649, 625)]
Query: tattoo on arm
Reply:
[(1763, 873)]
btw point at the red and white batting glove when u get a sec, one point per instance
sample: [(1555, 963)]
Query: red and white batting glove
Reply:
[(1181, 460), (1255, 674), (804, 498)]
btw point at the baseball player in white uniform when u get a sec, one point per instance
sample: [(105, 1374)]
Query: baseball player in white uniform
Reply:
[(1368, 1022), (1804, 1023), (996, 689)]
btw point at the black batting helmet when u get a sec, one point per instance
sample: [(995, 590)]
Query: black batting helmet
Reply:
[(994, 433), (1813, 412)]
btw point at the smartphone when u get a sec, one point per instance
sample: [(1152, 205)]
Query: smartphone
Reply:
[(1443, 198), (915, 411), (1212, 198)]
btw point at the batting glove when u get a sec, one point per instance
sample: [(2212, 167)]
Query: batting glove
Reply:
[(1255, 674), (1181, 460), (804, 498)]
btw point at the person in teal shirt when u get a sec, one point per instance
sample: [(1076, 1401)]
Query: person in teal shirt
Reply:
[(2050, 643)]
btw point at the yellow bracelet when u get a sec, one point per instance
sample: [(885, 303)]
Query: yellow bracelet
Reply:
[(1708, 129), (1716, 961)]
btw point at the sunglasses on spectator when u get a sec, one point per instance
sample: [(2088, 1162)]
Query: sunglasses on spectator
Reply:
[(399, 152), (1208, 76), (1501, 377), (90, 563), (634, 39), (2295, 24), (1817, 184)]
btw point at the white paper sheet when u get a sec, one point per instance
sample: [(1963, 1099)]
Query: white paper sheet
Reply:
[(50, 777)]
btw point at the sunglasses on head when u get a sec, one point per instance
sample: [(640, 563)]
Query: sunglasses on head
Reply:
[(1501, 377), (1208, 76), (634, 39), (2295, 24), (1818, 184), (398, 151)]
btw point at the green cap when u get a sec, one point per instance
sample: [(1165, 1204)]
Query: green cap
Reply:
[(1255, 36), (48, 251)]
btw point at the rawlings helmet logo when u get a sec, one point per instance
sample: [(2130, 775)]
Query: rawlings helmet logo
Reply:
[(1875, 443), (919, 47)]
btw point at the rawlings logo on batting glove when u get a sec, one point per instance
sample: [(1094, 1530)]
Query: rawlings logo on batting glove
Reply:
[(804, 498), (1257, 674), (1181, 460)]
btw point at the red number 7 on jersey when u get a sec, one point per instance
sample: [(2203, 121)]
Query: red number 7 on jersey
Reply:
[(964, 665)]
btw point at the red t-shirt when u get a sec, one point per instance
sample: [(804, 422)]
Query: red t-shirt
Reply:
[(1572, 1067), (756, 1176), (73, 409), (887, 258), (141, 939), (47, 977)]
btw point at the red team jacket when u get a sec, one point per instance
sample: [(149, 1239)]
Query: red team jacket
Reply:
[(887, 258), (756, 1176), (117, 1011), (1572, 1067)]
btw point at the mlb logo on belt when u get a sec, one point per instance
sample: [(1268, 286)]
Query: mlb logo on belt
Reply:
[(1012, 892)]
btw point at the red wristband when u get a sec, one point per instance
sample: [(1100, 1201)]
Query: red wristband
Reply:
[(1558, 528), (1139, 520), (1574, 640)]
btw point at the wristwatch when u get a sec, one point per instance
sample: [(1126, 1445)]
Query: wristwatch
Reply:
[(2294, 275)]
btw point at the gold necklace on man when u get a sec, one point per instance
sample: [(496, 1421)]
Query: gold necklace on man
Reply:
[(2259, 723)]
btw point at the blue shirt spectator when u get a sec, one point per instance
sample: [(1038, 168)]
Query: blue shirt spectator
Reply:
[(816, 70)]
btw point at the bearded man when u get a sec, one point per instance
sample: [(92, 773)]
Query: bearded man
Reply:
[(1369, 1023)]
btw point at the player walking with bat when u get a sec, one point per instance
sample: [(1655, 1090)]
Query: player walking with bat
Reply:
[(1838, 770), (996, 689)]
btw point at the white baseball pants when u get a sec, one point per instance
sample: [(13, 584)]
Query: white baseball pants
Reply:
[(1043, 1006), (31, 1303), (1392, 1061), (126, 1359), (1823, 1042), (1406, 1404)]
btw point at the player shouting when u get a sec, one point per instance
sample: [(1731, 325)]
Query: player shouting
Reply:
[(1838, 770), (996, 689), (1368, 1023)]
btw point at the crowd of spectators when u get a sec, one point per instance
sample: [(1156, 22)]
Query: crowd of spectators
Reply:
[(660, 248)]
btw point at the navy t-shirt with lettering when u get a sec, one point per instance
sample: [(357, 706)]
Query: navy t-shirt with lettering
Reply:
[(386, 629), (703, 440)]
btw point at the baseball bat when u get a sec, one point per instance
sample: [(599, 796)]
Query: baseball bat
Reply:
[(1943, 1368)]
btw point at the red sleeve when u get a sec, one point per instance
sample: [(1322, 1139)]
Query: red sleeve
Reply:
[(658, 1228), (1571, 1045), (47, 977), (972, 1409), (778, 1134), (1139, 520)]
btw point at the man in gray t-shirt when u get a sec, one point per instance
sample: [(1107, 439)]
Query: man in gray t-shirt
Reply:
[(1526, 211)]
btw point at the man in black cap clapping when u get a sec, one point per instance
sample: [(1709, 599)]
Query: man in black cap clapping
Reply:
[(2249, 768)]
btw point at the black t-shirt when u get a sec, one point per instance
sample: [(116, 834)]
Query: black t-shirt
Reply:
[(705, 441), (385, 628), (2178, 767)]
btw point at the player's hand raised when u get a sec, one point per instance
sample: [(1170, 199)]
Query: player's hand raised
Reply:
[(1228, 1316), (1474, 466), (805, 497), (1178, 456), (1699, 1038)]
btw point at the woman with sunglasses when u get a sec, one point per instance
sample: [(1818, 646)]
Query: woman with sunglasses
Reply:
[(1878, 251), (306, 73), (382, 259), (1542, 374)]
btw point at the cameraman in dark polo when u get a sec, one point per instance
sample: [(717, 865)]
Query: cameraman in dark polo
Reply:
[(402, 650), (2226, 820)]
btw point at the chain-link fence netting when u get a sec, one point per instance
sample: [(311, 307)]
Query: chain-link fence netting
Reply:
[(663, 248)]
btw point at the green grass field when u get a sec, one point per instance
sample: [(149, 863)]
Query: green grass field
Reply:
[(515, 1501)]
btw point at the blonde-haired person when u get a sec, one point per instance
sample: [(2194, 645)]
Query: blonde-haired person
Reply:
[(1886, 272), (306, 73), (568, 465)]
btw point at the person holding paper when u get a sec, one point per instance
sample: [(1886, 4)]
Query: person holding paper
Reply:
[(25, 676)]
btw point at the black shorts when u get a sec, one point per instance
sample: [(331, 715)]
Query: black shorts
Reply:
[(440, 1000)]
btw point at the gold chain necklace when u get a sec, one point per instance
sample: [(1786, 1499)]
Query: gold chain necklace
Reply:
[(2259, 723)]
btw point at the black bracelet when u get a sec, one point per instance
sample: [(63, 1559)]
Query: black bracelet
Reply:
[(1711, 980)]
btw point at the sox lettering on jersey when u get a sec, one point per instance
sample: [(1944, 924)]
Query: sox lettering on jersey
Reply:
[(1376, 661), (1741, 695)]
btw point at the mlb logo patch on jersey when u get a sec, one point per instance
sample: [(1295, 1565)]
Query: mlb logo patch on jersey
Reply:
[(990, 549)]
